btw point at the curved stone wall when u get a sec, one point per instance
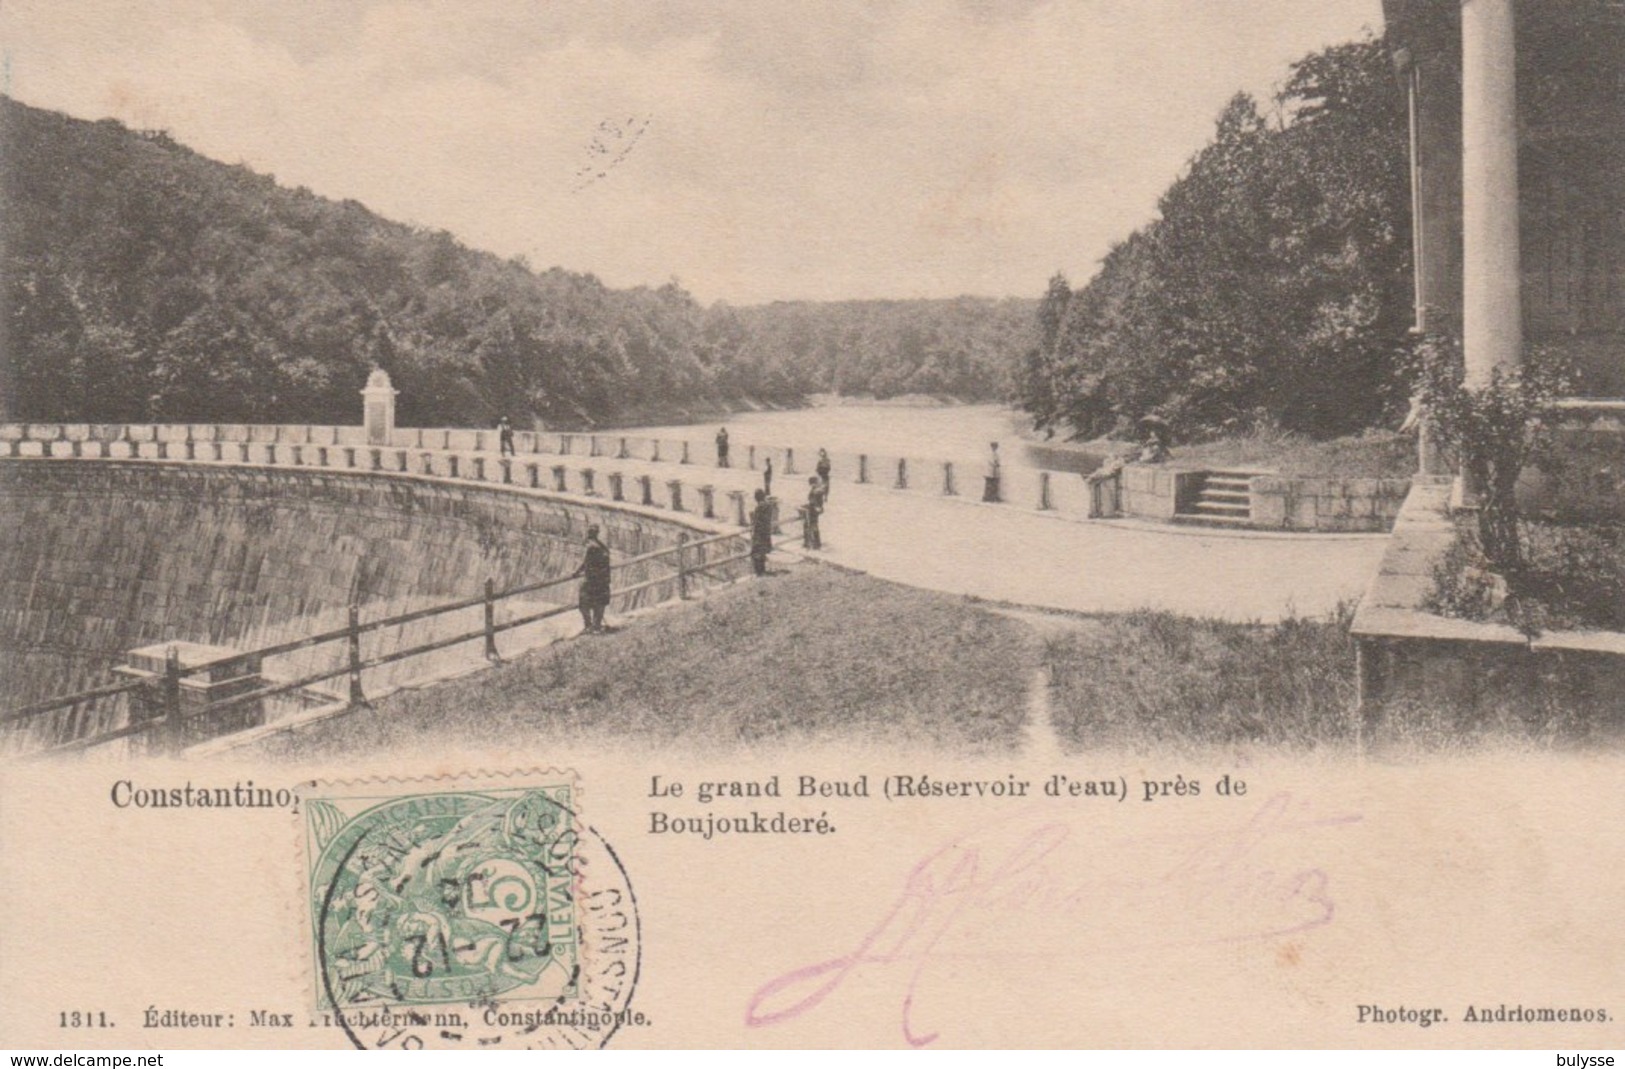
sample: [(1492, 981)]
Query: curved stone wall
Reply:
[(107, 555)]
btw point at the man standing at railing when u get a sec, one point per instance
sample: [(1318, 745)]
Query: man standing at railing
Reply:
[(504, 437), (810, 536), (594, 575), (823, 469), (761, 533), (722, 447)]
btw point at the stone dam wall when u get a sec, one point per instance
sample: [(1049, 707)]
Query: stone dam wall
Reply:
[(104, 556)]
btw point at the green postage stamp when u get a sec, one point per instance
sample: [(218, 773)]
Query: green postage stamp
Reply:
[(448, 894)]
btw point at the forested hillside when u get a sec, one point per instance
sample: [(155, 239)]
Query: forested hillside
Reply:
[(145, 282), (1273, 288)]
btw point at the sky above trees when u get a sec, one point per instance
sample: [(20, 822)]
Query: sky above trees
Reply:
[(755, 151)]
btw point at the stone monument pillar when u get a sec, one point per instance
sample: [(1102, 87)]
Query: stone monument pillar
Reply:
[(378, 407)]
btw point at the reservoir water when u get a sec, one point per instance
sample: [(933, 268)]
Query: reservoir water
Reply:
[(959, 433)]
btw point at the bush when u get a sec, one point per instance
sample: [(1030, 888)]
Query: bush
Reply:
[(1493, 429)]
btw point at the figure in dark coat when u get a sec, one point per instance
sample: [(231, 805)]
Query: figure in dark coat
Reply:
[(823, 468), (594, 575), (761, 533), (504, 437), (814, 508), (722, 447), (767, 476)]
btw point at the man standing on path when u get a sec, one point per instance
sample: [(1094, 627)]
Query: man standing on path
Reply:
[(504, 437), (810, 536), (767, 476), (823, 469), (722, 447), (990, 491), (594, 575), (761, 533)]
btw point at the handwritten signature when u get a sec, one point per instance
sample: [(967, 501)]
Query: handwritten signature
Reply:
[(1218, 887)]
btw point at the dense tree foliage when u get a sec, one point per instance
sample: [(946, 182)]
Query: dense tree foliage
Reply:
[(1272, 288), (145, 282)]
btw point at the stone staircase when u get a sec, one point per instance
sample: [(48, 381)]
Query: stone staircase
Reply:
[(1217, 497)]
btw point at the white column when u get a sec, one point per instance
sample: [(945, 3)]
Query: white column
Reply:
[(1492, 316)]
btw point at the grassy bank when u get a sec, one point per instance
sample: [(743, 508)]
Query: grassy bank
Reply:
[(815, 654), (1374, 454), (1153, 679)]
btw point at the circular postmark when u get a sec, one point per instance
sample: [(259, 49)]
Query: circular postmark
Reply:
[(490, 919)]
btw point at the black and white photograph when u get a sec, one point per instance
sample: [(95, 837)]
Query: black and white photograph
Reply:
[(961, 524)]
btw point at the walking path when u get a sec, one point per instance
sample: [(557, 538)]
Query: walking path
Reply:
[(1008, 554)]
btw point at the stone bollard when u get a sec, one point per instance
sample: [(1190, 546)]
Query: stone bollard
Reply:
[(401, 462), (684, 460), (427, 461), (654, 454), (592, 445), (507, 469), (789, 461), (708, 495), (622, 454), (191, 447), (219, 450), (564, 444), (948, 477), (321, 453), (558, 478), (452, 464), (902, 473), (863, 467), (646, 483), (479, 468), (298, 458), (615, 488), (533, 475), (242, 448), (376, 455), (587, 486), (270, 452), (737, 499), (1044, 501), (675, 488), (349, 456)]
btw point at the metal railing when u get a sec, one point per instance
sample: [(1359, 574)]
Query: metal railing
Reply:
[(690, 562)]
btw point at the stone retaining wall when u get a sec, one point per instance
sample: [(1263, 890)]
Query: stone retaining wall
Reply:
[(1301, 503), (106, 556)]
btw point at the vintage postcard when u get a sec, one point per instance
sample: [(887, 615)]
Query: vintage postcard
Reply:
[(968, 524)]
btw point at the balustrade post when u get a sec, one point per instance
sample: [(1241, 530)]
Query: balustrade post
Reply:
[(863, 467), (1044, 501), (682, 565), (357, 696), (491, 621), (169, 728)]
